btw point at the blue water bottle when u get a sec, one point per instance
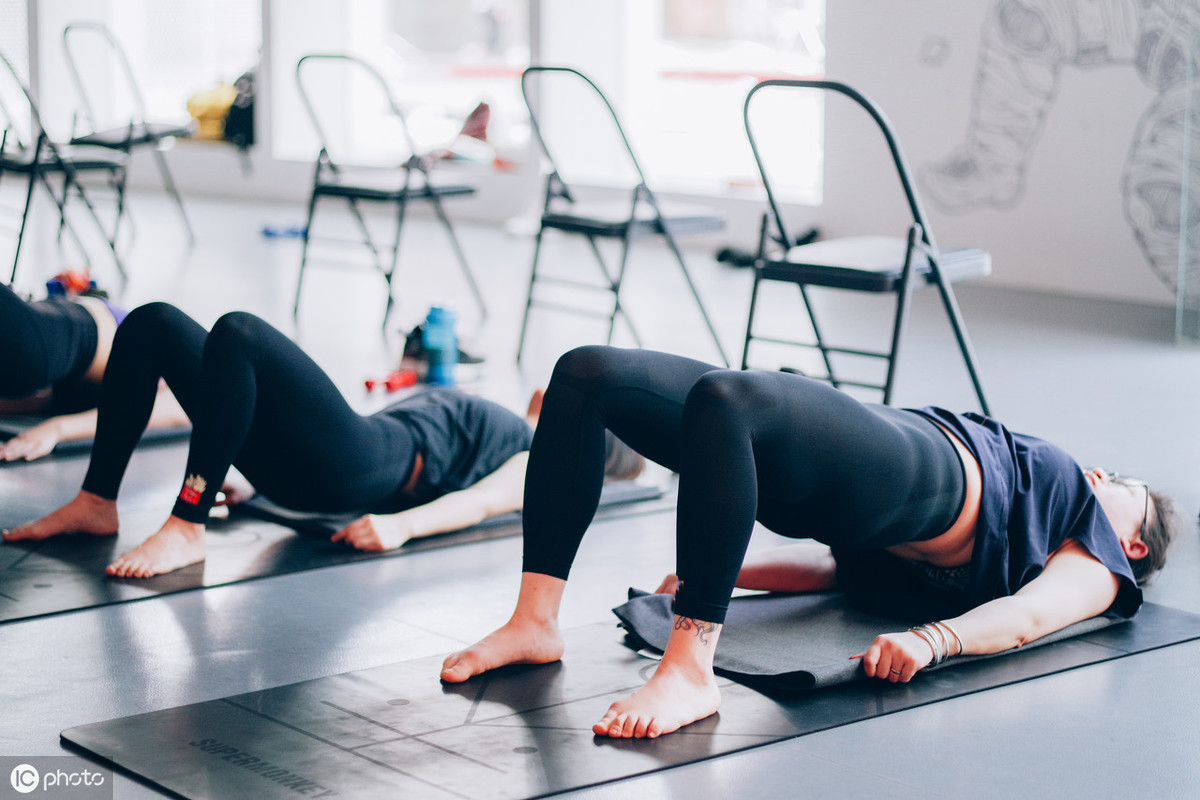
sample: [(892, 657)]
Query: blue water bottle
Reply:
[(441, 345)]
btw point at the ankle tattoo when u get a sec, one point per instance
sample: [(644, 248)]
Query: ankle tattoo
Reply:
[(702, 629)]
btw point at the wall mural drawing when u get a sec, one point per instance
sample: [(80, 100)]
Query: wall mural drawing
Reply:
[(1025, 46)]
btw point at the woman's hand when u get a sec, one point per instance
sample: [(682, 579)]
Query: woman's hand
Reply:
[(33, 443), (670, 585), (375, 533), (234, 491), (896, 657)]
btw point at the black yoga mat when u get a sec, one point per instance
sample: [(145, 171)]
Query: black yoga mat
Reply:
[(66, 572), (612, 496), (522, 731), (793, 642), (11, 426)]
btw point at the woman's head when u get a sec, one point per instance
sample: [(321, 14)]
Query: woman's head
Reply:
[(1144, 520)]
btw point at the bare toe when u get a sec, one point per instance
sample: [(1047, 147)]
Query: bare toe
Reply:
[(601, 727), (177, 544)]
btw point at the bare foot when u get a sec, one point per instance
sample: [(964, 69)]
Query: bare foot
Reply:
[(176, 545), (86, 513), (535, 406), (518, 642), (673, 697)]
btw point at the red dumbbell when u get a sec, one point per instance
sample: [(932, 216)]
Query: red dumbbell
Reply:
[(394, 382)]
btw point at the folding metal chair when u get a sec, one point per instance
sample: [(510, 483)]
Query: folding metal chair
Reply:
[(26, 149), (125, 130), (875, 264), (397, 186), (642, 215)]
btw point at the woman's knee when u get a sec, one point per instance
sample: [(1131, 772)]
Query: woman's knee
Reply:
[(152, 320), (237, 329), (584, 364), (731, 391)]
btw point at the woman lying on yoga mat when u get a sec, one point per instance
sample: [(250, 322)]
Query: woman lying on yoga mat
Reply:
[(52, 358), (438, 461), (927, 514)]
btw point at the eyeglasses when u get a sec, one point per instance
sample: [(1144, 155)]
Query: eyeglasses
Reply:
[(1124, 480)]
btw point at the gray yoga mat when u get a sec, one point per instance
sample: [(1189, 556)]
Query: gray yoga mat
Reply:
[(11, 426), (612, 497), (520, 731), (798, 641), (65, 573)]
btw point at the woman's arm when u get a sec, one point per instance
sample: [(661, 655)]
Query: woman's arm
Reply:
[(39, 440), (33, 404), (801, 567), (500, 492), (806, 566), (42, 438), (1073, 587)]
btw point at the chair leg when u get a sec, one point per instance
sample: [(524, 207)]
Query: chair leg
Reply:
[(614, 287), (459, 254), (118, 185), (312, 207), (903, 295), (366, 232), (812, 319), (615, 283), (695, 293), (24, 218), (902, 299), (960, 333), (112, 244), (64, 223), (401, 208), (537, 249), (169, 183), (750, 320)]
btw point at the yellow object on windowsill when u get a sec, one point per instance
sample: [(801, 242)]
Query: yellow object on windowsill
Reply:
[(209, 108)]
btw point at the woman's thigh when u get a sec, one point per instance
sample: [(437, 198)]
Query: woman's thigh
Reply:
[(304, 440), (638, 394)]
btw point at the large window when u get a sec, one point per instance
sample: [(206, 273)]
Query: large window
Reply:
[(176, 48), (441, 59), (14, 112), (13, 32), (678, 72)]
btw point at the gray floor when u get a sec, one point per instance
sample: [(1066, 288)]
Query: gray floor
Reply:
[(1103, 379)]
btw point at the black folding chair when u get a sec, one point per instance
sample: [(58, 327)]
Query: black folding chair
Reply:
[(26, 149), (642, 215), (108, 70), (875, 264), (409, 182)]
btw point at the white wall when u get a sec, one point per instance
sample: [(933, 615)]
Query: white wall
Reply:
[(1067, 231)]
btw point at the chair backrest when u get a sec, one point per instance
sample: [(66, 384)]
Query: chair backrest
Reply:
[(583, 140), (109, 95), (20, 124), (332, 86), (795, 87)]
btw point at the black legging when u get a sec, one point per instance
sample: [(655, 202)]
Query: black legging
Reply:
[(42, 343), (255, 401), (799, 456)]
